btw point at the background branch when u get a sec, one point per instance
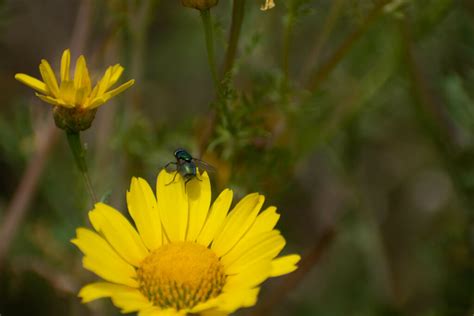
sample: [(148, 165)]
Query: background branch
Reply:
[(325, 70)]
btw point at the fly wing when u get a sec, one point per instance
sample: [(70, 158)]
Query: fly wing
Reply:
[(204, 165)]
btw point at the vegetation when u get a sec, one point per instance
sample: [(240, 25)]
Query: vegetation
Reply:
[(354, 117)]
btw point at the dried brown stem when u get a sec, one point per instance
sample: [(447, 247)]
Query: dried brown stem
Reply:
[(21, 199), (61, 282)]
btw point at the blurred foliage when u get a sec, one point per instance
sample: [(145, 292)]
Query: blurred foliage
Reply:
[(381, 149)]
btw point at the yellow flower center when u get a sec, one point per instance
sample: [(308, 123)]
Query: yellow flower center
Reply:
[(181, 275)]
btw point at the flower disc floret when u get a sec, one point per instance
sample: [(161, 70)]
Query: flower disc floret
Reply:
[(180, 275)]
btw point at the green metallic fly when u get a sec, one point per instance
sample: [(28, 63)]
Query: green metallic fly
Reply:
[(187, 166)]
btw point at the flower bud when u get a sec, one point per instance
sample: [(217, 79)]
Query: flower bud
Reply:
[(73, 120), (199, 4)]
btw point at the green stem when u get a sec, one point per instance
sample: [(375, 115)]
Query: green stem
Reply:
[(207, 23), (328, 26), (75, 144), (325, 70), (238, 10)]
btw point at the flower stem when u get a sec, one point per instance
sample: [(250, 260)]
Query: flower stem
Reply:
[(75, 144), (207, 23), (238, 11)]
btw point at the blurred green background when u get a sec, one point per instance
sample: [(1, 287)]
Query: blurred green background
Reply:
[(354, 117)]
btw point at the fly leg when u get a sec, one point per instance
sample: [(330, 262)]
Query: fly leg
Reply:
[(168, 164), (176, 173)]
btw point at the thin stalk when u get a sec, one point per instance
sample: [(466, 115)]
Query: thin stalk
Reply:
[(325, 70), (75, 143), (238, 11), (207, 23), (18, 207), (328, 26), (208, 31)]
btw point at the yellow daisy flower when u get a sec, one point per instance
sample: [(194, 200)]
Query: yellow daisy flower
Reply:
[(185, 255), (74, 92), (268, 5)]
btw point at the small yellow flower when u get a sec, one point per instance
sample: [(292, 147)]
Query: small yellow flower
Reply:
[(185, 256), (74, 92), (268, 5)]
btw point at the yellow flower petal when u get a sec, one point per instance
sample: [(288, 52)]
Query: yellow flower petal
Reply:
[(92, 96), (103, 84), (268, 5), (152, 311), (244, 245), (47, 99), (172, 205), (115, 74), (233, 300), (119, 233), (206, 307), (237, 223), (143, 208), (216, 217), (155, 311), (53, 101), (108, 95), (214, 313), (77, 91), (80, 96), (227, 302), (49, 78), (264, 246), (95, 103), (130, 301), (65, 65), (119, 89), (127, 298), (265, 222), (101, 259), (199, 200), (250, 277), (284, 265), (97, 290), (81, 76), (32, 82), (67, 93)]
